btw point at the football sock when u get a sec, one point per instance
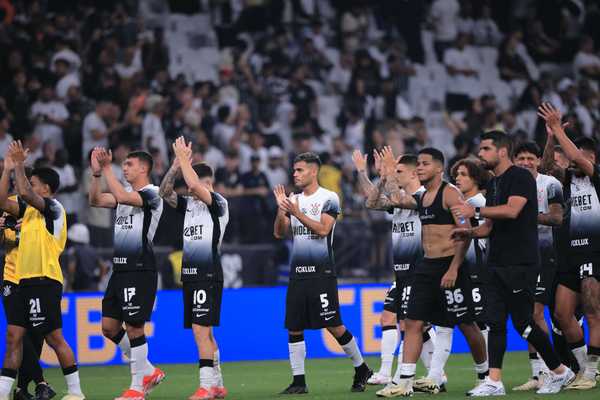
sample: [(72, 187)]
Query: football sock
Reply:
[(297, 349), (441, 352), (350, 347), (389, 342), (72, 377)]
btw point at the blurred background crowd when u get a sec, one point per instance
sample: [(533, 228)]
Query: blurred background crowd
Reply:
[(252, 83)]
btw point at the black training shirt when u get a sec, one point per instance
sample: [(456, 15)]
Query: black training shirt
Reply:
[(514, 241)]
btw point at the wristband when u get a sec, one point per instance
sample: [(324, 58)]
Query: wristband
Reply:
[(477, 213)]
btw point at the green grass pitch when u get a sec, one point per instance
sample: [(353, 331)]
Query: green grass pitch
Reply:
[(327, 379)]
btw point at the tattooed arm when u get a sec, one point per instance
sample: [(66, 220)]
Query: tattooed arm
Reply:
[(377, 199), (365, 184), (166, 186)]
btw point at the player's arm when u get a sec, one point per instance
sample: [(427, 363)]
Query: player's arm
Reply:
[(10, 206), (323, 226), (452, 197), (553, 119), (510, 210), (96, 197), (360, 163), (166, 186), (554, 216), (377, 199), (548, 166), (18, 155), (183, 154), (117, 189)]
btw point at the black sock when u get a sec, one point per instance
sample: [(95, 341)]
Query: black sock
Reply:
[(206, 363), (117, 338), (299, 380), (345, 338), (362, 367), (481, 375)]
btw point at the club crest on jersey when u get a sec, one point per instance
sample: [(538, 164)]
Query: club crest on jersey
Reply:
[(314, 208), (6, 291)]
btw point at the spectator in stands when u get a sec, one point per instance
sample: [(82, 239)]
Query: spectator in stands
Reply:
[(587, 63), (95, 133), (255, 147), (18, 97), (463, 83), (68, 192), (444, 20), (302, 96), (541, 47), (5, 137), (209, 154), (513, 62), (354, 25), (49, 116), (509, 125), (153, 134), (276, 172), (65, 77), (85, 268), (227, 178), (341, 73), (485, 29), (253, 228)]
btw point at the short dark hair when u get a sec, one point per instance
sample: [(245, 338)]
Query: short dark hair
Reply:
[(586, 143), (309, 158), (47, 176), (479, 174), (144, 157), (500, 140), (408, 159), (203, 170), (434, 153), (528, 147)]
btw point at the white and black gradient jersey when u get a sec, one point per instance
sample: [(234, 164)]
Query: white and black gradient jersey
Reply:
[(584, 212), (203, 229), (476, 256), (312, 255), (549, 191), (134, 231), (407, 247)]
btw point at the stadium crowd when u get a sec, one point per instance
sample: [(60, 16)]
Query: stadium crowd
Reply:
[(288, 77)]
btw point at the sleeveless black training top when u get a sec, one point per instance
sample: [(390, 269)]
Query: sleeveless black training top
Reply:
[(434, 214)]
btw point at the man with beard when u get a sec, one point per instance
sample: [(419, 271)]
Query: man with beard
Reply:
[(511, 224), (578, 280)]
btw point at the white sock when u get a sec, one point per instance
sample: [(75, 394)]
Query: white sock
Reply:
[(217, 368), (485, 332), (396, 377), (441, 352), (536, 366), (139, 361), (482, 368), (6, 385), (297, 356), (591, 366), (408, 370), (352, 351), (428, 349), (207, 377), (389, 342), (73, 385), (125, 346), (580, 354)]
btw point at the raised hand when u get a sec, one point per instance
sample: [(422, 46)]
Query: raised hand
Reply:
[(290, 205), (377, 158), (183, 151), (360, 161), (17, 153), (280, 196), (551, 116), (103, 157), (94, 164), (388, 162)]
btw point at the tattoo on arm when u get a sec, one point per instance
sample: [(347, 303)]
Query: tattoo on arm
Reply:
[(365, 183), (377, 199), (166, 187)]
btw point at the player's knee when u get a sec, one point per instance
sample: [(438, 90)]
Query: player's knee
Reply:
[(14, 339), (109, 331), (388, 318), (414, 326), (55, 340), (134, 329)]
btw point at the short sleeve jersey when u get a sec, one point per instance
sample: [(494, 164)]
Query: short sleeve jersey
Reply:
[(134, 232), (549, 191), (584, 215), (476, 253), (407, 248), (203, 229), (312, 255), (512, 240)]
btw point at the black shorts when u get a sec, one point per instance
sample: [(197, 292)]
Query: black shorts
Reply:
[(38, 305), (428, 301), (13, 303), (312, 304), (391, 299), (130, 296), (202, 303), (581, 266)]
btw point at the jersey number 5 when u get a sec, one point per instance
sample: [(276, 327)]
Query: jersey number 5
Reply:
[(324, 301)]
